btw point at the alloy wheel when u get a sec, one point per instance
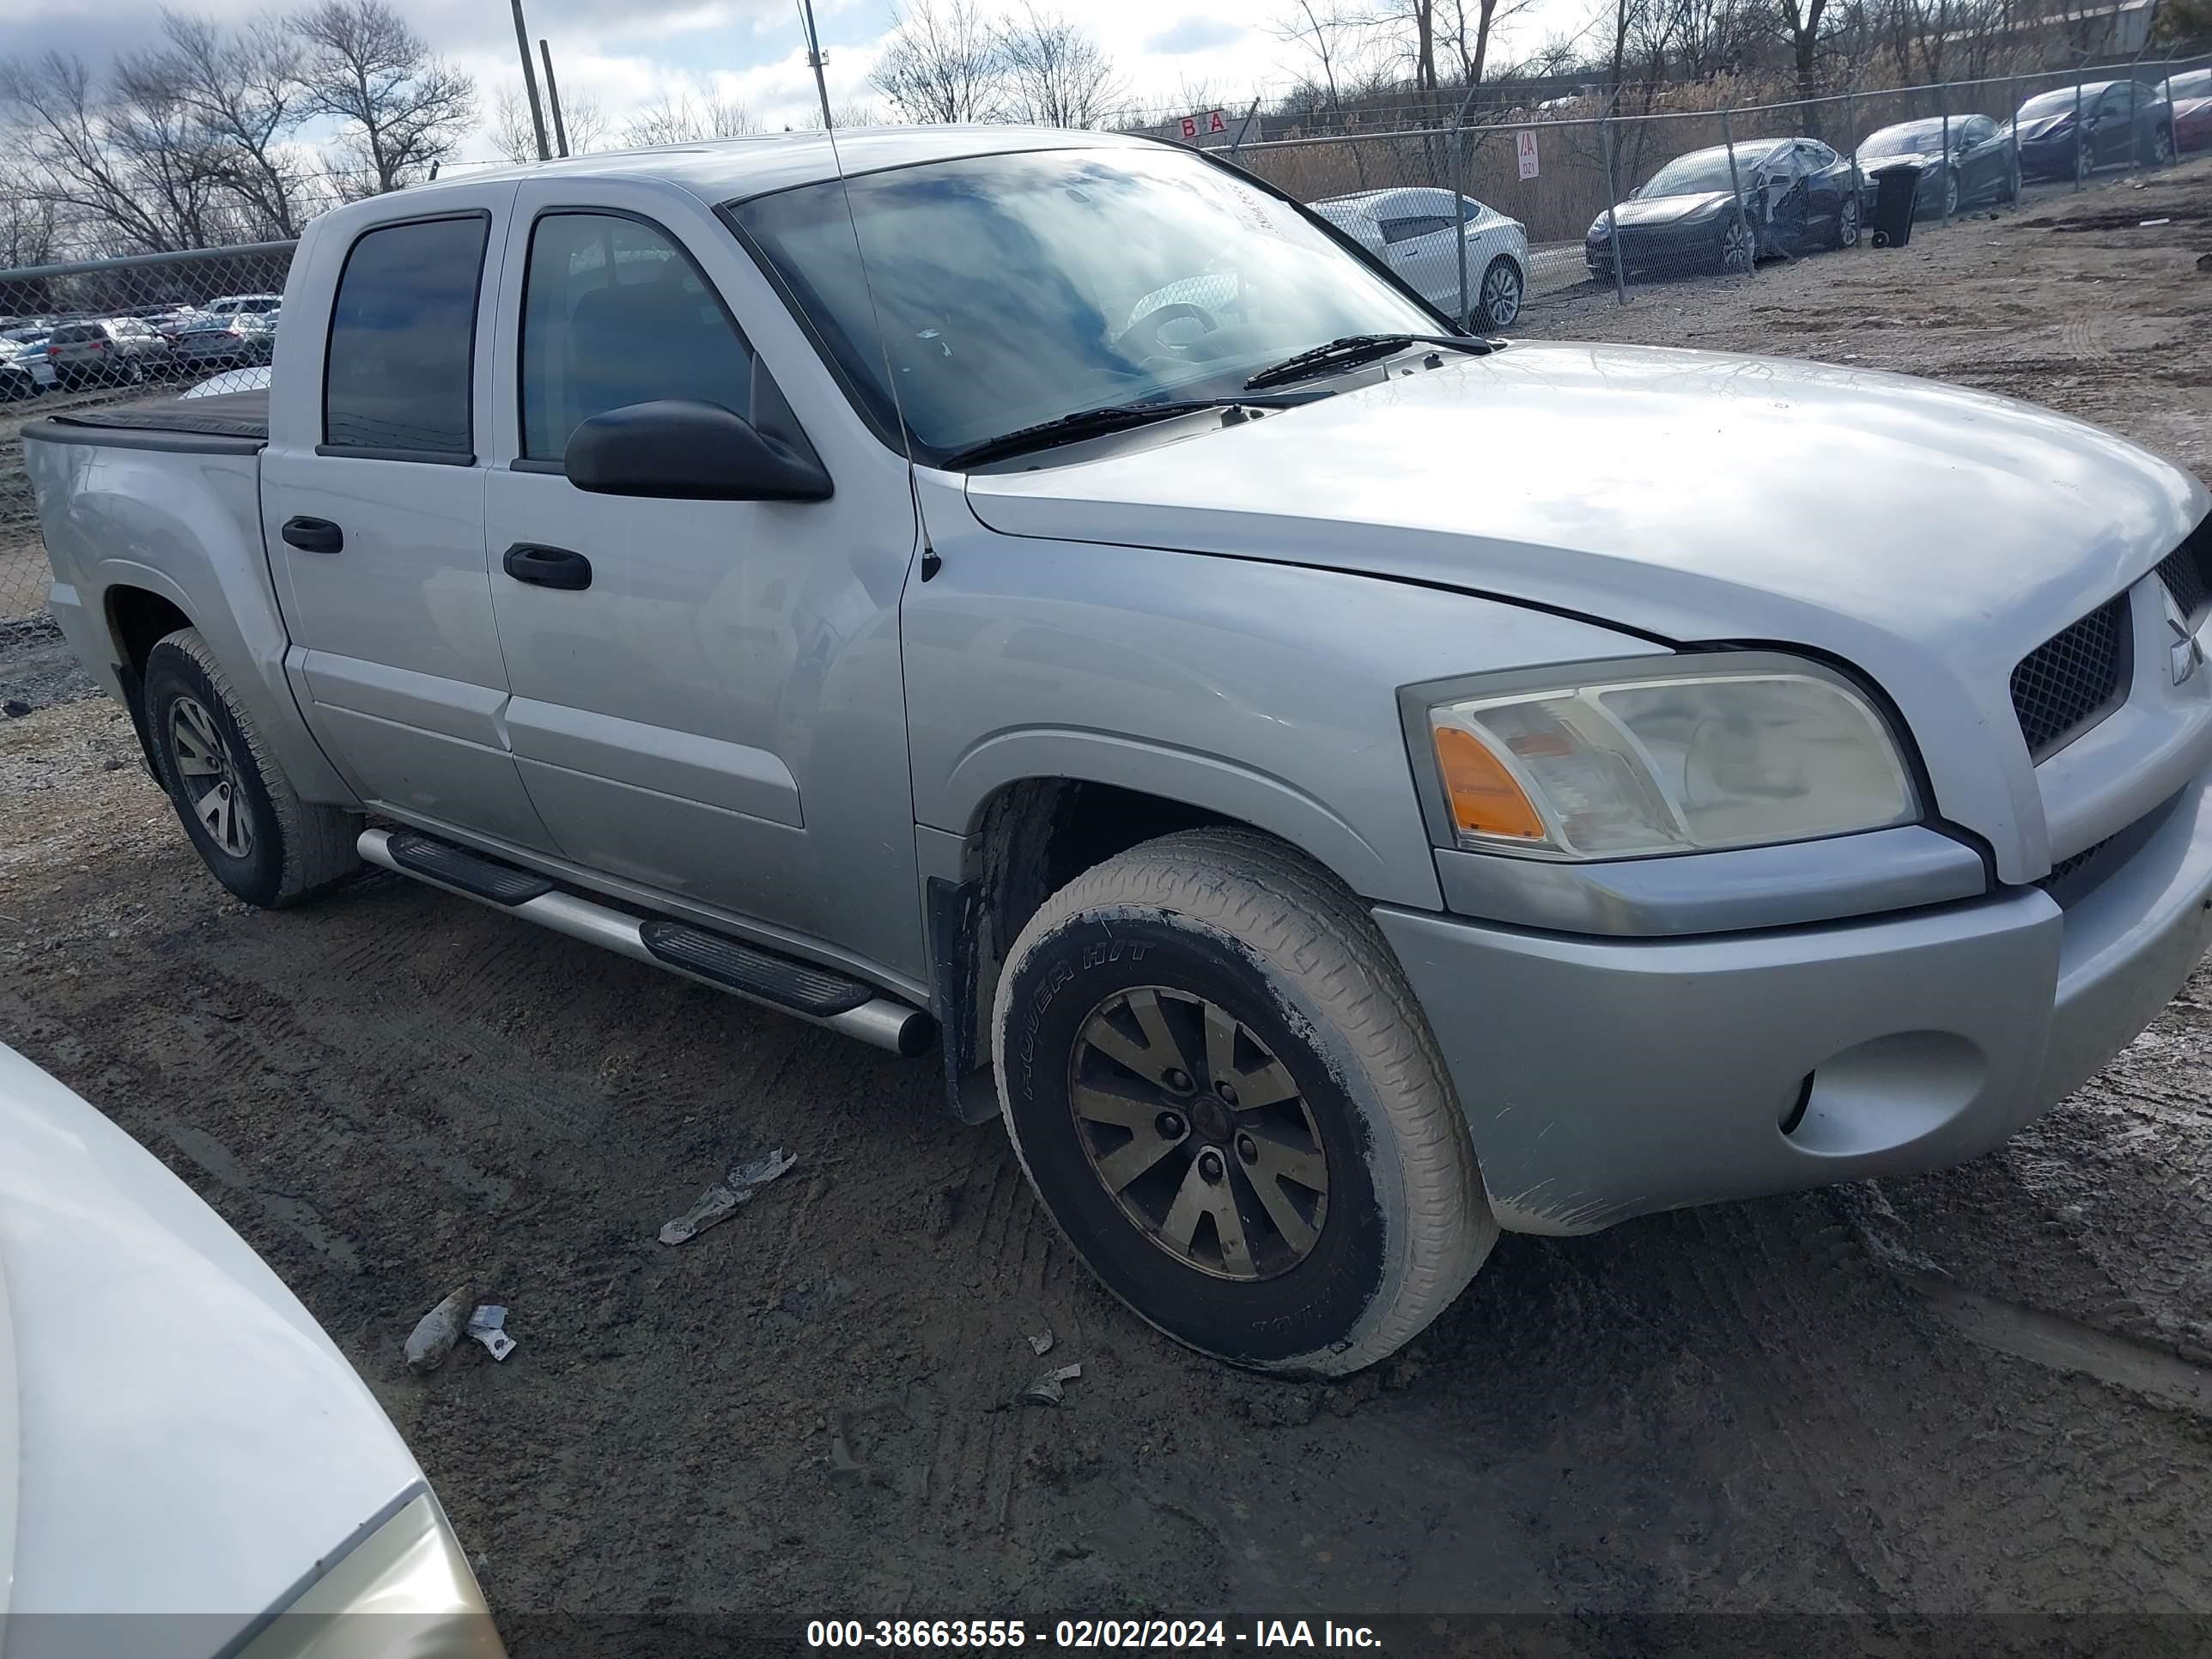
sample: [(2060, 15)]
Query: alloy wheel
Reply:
[(1501, 294), (1736, 249), (1199, 1133), (1847, 223), (209, 774), (1951, 196)]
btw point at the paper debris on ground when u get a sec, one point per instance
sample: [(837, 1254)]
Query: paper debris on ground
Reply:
[(720, 1202), (488, 1325)]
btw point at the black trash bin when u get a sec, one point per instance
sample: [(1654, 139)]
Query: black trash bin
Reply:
[(1896, 189)]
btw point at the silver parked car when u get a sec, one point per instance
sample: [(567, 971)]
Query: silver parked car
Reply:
[(1325, 820), (109, 351)]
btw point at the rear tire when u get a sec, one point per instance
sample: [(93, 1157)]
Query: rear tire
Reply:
[(243, 817), (1329, 1203)]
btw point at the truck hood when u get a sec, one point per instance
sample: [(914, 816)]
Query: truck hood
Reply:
[(1930, 536), (177, 1435)]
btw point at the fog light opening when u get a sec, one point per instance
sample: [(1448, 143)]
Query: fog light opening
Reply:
[(1795, 1115)]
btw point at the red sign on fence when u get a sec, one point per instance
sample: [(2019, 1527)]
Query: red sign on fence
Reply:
[(1205, 125)]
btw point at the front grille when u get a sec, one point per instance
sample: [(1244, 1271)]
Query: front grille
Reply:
[(2073, 680), (2187, 571), (2066, 867)]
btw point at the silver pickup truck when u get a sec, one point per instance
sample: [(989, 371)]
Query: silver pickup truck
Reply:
[(1337, 785)]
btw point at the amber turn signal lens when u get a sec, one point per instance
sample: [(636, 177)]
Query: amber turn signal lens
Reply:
[(1485, 800)]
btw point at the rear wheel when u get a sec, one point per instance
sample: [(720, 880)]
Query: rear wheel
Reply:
[(2161, 147), (1847, 221), (2083, 162), (244, 818), (1223, 1092), (1950, 195)]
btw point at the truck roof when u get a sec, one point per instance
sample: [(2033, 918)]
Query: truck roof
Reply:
[(729, 169)]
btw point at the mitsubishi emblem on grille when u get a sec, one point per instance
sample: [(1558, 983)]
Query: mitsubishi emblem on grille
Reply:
[(2186, 652)]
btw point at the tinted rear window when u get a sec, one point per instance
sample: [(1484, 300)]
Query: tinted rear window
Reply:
[(401, 339)]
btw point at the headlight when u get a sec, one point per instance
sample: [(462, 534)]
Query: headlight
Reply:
[(405, 1588), (1737, 752), (1601, 227)]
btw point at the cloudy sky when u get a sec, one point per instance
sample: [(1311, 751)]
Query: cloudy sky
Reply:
[(628, 53)]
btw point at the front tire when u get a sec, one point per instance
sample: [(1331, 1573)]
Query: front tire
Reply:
[(243, 817), (1738, 251), (1499, 301), (1222, 1089)]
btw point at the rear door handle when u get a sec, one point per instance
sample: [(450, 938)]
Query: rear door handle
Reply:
[(547, 567), (313, 535)]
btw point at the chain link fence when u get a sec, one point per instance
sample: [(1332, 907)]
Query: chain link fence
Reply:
[(1486, 213)]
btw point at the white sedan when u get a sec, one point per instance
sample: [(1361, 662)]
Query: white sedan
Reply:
[(1415, 231), (178, 1437)]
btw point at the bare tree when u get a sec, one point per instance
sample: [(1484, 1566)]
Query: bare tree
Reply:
[(845, 116), (398, 107), (1338, 37), (685, 120), (1801, 28), (1056, 74), (29, 226), (942, 62), (132, 163), (243, 92)]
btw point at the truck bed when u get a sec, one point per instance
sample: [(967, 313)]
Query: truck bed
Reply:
[(228, 421)]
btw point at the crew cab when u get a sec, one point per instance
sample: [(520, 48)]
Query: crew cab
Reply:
[(1335, 786)]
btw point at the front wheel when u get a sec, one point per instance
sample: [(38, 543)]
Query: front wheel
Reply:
[(2084, 163), (244, 818), (1498, 303), (2161, 147), (1950, 195), (1737, 249), (1222, 1091)]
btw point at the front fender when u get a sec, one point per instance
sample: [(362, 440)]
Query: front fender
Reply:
[(1263, 692)]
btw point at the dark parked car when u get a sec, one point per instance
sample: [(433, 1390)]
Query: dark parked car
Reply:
[(1978, 167), (227, 342), (2190, 98), (2066, 136), (1795, 194)]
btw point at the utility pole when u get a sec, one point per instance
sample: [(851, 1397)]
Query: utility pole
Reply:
[(530, 82), (553, 97), (814, 59)]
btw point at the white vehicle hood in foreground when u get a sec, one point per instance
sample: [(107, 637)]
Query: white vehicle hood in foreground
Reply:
[(1930, 536), (177, 1435)]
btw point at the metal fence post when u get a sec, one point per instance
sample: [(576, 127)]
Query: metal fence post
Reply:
[(1735, 181), (1851, 121), (1950, 174), (2081, 154), (2012, 131), (1459, 202), (1611, 203)]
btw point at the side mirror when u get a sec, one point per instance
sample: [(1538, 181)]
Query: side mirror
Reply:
[(681, 450)]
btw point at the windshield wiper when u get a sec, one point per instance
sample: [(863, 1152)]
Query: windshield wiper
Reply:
[(1084, 423), (1354, 350)]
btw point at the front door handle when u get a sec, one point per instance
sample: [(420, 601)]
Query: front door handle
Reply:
[(547, 567), (313, 535)]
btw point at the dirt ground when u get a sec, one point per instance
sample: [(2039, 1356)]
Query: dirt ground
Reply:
[(1988, 1391)]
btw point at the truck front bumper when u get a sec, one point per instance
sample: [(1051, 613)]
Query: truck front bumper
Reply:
[(1606, 1078)]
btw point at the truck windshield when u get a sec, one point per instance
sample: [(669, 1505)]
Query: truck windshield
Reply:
[(1016, 289)]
